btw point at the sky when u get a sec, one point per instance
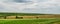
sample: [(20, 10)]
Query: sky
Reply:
[(30, 6)]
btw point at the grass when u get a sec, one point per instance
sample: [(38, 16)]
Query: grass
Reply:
[(21, 14), (26, 21), (33, 21)]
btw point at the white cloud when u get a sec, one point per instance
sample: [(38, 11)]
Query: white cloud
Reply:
[(38, 6)]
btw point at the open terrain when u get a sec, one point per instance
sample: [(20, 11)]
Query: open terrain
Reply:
[(40, 18), (29, 21)]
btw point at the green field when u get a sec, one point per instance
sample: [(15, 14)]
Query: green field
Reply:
[(30, 21), (27, 21), (21, 14)]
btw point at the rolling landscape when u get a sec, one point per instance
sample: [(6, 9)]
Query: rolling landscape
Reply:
[(29, 18), (29, 11)]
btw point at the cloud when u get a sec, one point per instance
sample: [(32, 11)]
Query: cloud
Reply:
[(37, 6), (22, 1)]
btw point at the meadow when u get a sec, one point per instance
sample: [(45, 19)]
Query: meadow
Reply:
[(30, 21), (20, 14)]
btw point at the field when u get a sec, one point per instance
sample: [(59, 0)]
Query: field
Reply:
[(38, 18), (30, 21), (20, 14)]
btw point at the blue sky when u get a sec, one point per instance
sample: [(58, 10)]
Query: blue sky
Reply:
[(30, 6)]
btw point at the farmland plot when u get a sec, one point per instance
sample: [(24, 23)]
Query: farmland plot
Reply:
[(32, 21)]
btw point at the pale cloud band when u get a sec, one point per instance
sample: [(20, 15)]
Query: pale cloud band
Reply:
[(30, 6)]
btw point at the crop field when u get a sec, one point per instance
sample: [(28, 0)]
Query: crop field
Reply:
[(13, 18), (29, 21)]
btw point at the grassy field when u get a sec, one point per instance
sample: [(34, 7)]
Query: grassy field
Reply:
[(21, 14), (30, 21)]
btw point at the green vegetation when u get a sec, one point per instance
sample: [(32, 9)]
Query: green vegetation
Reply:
[(21, 14), (26, 21), (33, 21)]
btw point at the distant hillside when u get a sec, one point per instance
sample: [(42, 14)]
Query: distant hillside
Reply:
[(21, 14)]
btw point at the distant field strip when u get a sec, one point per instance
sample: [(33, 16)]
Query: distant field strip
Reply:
[(28, 21)]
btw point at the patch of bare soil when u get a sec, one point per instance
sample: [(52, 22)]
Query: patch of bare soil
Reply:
[(27, 17), (11, 17), (49, 16), (56, 23)]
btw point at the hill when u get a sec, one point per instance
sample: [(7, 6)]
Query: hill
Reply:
[(21, 14)]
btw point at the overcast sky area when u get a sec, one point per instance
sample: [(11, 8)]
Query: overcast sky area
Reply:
[(30, 6)]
